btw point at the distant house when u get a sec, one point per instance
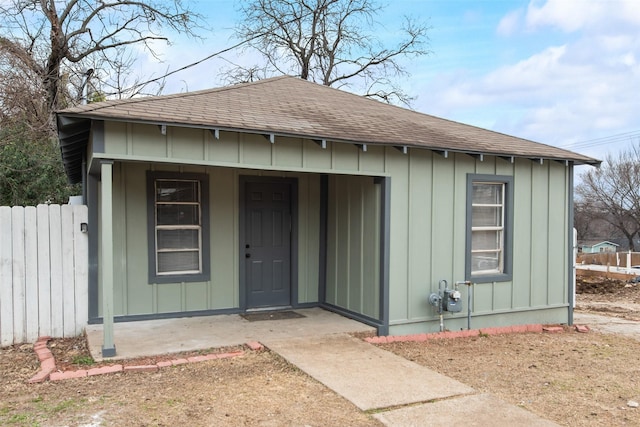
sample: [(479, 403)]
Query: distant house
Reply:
[(285, 193), (597, 246)]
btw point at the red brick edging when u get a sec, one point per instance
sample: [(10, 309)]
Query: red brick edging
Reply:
[(48, 363), (473, 333)]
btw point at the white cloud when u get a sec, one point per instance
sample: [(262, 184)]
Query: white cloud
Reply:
[(525, 82), (567, 15), (574, 15), (510, 23), (628, 59), (583, 87), (566, 92)]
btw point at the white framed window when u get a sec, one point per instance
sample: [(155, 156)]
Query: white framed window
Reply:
[(178, 227), (487, 228), (489, 222), (178, 230)]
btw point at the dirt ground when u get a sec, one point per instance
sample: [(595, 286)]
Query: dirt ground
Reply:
[(257, 389), (607, 296), (574, 379)]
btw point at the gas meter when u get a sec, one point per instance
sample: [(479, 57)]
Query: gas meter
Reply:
[(451, 300), (446, 299)]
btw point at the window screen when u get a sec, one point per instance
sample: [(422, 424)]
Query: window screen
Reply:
[(178, 229), (487, 228), (489, 243)]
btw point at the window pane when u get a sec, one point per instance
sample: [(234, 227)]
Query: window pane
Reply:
[(179, 239), (487, 194), (177, 191), (487, 227), (178, 261), (481, 240), (485, 262), (178, 215), (485, 216)]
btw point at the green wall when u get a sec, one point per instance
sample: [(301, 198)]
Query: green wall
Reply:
[(353, 244), (146, 143), (141, 147), (427, 235), (428, 213), (134, 295)]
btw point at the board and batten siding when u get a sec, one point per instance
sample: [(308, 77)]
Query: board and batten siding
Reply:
[(428, 214), (224, 160), (427, 233), (134, 295), (139, 142), (353, 245)]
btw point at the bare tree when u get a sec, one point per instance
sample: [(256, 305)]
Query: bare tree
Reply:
[(46, 48), (56, 40), (21, 97), (613, 192), (582, 220), (113, 76), (593, 222), (332, 42)]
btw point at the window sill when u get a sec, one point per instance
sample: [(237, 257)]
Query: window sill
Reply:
[(179, 278), (491, 278)]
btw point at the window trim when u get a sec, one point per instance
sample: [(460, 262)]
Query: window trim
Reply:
[(507, 261), (205, 271)]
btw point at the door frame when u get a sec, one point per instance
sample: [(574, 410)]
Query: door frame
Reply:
[(293, 185)]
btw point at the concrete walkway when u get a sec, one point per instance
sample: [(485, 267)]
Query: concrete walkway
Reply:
[(396, 391), (608, 324), (366, 375)]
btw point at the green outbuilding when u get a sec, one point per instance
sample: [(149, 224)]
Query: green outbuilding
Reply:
[(283, 193)]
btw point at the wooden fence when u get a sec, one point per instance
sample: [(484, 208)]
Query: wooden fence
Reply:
[(613, 259), (43, 272)]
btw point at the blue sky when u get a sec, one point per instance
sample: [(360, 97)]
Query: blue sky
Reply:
[(561, 72)]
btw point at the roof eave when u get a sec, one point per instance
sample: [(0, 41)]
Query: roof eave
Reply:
[(73, 133), (79, 125)]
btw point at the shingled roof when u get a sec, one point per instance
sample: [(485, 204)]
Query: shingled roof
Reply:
[(289, 106)]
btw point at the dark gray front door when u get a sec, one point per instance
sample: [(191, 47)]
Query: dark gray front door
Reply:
[(267, 244)]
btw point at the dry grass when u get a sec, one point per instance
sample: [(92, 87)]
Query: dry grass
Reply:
[(571, 378), (259, 388)]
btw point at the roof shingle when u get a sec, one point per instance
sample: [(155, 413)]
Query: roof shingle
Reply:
[(294, 107)]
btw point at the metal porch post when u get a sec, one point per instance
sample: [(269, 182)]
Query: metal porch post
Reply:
[(106, 244), (385, 235)]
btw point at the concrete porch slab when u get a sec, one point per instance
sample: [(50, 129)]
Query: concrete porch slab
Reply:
[(402, 392), (162, 336)]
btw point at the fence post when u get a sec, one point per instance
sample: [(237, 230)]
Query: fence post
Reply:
[(68, 278), (31, 272), (18, 274), (44, 271), (6, 278), (57, 295), (81, 270)]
